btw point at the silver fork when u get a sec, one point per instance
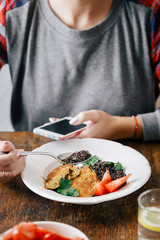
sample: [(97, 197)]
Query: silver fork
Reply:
[(58, 158), (26, 153)]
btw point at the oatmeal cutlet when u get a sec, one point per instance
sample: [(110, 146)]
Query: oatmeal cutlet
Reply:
[(85, 182), (67, 171)]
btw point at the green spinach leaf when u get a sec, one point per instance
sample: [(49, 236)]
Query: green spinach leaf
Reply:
[(65, 183), (118, 166), (72, 192), (91, 161)]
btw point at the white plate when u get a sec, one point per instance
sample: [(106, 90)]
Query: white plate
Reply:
[(62, 229), (38, 167)]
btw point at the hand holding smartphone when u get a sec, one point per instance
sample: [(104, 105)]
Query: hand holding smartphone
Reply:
[(60, 130)]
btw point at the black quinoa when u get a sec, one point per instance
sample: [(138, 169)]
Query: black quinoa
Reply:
[(100, 167), (77, 157)]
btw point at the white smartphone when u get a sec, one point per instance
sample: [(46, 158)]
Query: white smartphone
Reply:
[(60, 130)]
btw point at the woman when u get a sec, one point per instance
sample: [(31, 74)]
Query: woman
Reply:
[(74, 56)]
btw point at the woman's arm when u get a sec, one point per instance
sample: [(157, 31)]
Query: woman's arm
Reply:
[(103, 125)]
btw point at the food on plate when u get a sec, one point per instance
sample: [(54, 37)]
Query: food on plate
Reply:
[(76, 157), (115, 169), (85, 182), (66, 171), (65, 188), (94, 177), (30, 231), (107, 185), (116, 184), (106, 178), (82, 184), (91, 161), (100, 189)]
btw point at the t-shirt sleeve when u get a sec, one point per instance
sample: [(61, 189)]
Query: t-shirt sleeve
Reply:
[(3, 44), (151, 126), (151, 121)]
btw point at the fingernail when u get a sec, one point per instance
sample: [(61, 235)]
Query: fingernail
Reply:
[(51, 120), (73, 121), (19, 152)]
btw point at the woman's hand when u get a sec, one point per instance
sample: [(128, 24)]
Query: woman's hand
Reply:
[(103, 125), (11, 164)]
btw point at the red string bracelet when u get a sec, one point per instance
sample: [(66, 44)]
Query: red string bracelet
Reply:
[(136, 128)]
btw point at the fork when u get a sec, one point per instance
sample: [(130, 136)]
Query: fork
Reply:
[(26, 153)]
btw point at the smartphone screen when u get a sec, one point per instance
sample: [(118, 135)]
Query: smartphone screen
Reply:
[(62, 127)]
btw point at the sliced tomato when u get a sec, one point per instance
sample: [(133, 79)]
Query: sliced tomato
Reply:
[(16, 234), (48, 236), (28, 230), (41, 232), (24, 231), (106, 178), (45, 234), (116, 184), (8, 236), (54, 236), (100, 189)]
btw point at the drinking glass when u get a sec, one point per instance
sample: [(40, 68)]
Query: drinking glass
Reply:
[(149, 215)]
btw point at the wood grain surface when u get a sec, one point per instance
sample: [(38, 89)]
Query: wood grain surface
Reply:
[(114, 220)]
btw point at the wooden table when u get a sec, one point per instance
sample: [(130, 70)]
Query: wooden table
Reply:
[(114, 220)]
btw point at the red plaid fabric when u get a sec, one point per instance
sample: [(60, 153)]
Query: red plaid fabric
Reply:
[(6, 5), (3, 48), (155, 32)]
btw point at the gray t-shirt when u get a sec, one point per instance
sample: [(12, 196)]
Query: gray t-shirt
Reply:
[(58, 71)]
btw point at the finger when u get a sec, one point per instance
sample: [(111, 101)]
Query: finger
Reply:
[(15, 171), (46, 123), (81, 135), (91, 115), (86, 133), (17, 167), (7, 176), (52, 119), (7, 161), (9, 172), (6, 146)]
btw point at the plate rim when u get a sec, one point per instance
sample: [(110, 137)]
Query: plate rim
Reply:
[(96, 199)]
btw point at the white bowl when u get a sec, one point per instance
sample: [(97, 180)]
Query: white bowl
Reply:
[(62, 229), (37, 168)]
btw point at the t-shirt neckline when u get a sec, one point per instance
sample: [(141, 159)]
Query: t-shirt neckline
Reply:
[(71, 33)]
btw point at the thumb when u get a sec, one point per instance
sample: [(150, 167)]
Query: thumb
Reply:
[(6, 146), (90, 116)]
